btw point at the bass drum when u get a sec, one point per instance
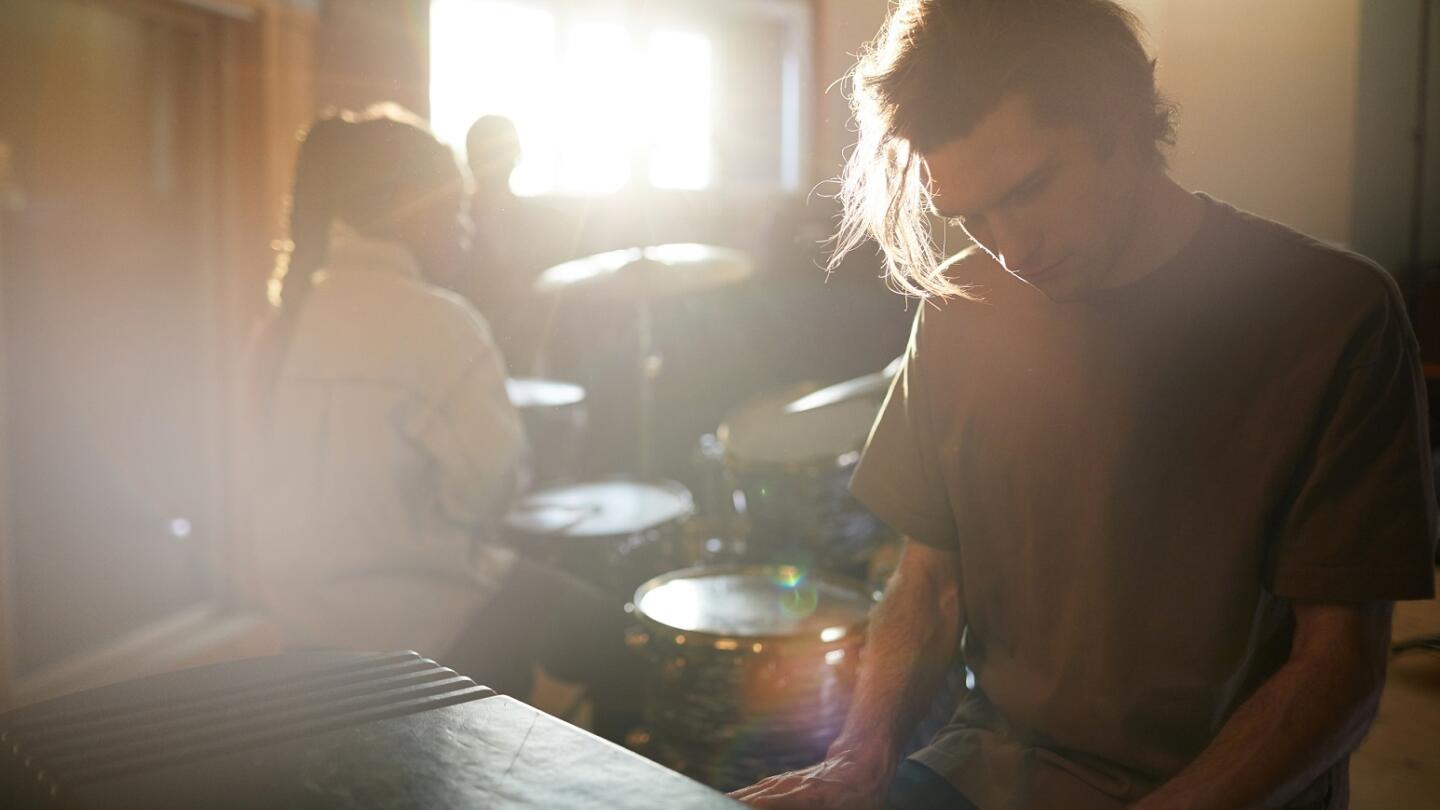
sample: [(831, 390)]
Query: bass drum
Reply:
[(791, 474)]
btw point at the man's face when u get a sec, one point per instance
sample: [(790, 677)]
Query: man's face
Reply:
[(1042, 200)]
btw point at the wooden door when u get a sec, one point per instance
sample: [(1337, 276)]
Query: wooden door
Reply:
[(111, 319)]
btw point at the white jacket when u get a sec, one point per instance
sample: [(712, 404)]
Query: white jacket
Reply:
[(391, 451)]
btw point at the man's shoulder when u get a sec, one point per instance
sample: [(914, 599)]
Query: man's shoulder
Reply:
[(1331, 301), (1313, 266), (984, 297)]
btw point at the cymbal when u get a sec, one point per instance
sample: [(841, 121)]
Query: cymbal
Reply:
[(652, 272), (862, 386)]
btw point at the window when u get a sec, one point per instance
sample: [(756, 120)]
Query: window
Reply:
[(607, 95)]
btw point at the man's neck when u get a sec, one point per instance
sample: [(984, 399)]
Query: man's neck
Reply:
[(1166, 219)]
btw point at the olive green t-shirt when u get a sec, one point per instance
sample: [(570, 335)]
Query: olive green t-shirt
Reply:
[(1138, 483)]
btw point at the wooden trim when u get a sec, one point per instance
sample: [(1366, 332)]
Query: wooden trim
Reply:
[(8, 193), (242, 10)]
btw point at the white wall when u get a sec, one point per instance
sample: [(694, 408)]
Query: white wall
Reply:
[(842, 27), (1267, 90)]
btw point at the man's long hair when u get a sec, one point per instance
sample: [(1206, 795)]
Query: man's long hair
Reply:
[(938, 67)]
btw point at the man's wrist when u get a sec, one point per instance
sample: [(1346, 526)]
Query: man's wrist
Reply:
[(870, 765)]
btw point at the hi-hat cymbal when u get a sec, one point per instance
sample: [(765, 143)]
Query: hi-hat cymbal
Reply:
[(658, 271), (866, 385)]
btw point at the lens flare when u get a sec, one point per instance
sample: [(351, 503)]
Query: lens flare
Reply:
[(789, 576)]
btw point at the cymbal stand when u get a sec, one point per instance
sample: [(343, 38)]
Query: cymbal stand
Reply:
[(648, 363)]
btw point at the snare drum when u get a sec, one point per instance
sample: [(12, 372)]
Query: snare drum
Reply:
[(615, 533), (554, 416), (792, 475), (751, 668)]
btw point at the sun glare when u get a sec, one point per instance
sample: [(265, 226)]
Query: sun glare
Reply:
[(594, 104)]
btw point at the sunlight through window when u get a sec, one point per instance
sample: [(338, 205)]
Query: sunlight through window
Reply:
[(677, 117), (598, 125), (496, 57), (594, 104)]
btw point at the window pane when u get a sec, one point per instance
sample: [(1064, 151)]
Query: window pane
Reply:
[(677, 113), (599, 126), (496, 58), (600, 103)]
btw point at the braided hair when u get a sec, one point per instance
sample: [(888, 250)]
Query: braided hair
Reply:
[(352, 169)]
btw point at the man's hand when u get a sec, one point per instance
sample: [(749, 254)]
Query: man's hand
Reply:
[(845, 781), (900, 670)]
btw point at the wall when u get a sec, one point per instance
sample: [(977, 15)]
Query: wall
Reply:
[(841, 28), (1268, 94), (1268, 103), (373, 50), (1385, 139)]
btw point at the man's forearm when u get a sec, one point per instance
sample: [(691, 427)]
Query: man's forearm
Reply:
[(1305, 718), (911, 641)]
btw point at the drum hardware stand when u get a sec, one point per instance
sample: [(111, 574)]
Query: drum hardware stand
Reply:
[(640, 276), (648, 363)]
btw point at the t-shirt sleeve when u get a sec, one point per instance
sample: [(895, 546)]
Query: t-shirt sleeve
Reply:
[(899, 476), (1362, 525)]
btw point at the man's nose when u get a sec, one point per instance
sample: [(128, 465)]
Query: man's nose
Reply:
[(1016, 242)]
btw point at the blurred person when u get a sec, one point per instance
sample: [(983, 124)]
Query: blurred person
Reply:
[(1161, 464), (510, 248), (390, 449)]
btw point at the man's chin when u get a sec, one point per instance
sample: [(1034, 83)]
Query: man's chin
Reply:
[(1059, 287)]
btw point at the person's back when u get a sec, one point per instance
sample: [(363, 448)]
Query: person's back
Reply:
[(389, 444), (386, 380)]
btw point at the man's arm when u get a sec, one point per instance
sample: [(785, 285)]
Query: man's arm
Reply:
[(1310, 713), (911, 639)]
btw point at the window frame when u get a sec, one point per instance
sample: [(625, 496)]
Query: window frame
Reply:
[(798, 118)]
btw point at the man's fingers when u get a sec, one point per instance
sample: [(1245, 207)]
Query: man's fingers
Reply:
[(768, 788), (790, 796), (814, 787), (759, 787), (798, 796)]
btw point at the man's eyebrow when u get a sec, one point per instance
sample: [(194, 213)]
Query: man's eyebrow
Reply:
[(1029, 177)]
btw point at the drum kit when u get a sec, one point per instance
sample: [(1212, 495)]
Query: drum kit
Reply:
[(749, 606)]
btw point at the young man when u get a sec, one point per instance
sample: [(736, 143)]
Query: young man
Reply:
[(1162, 465)]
